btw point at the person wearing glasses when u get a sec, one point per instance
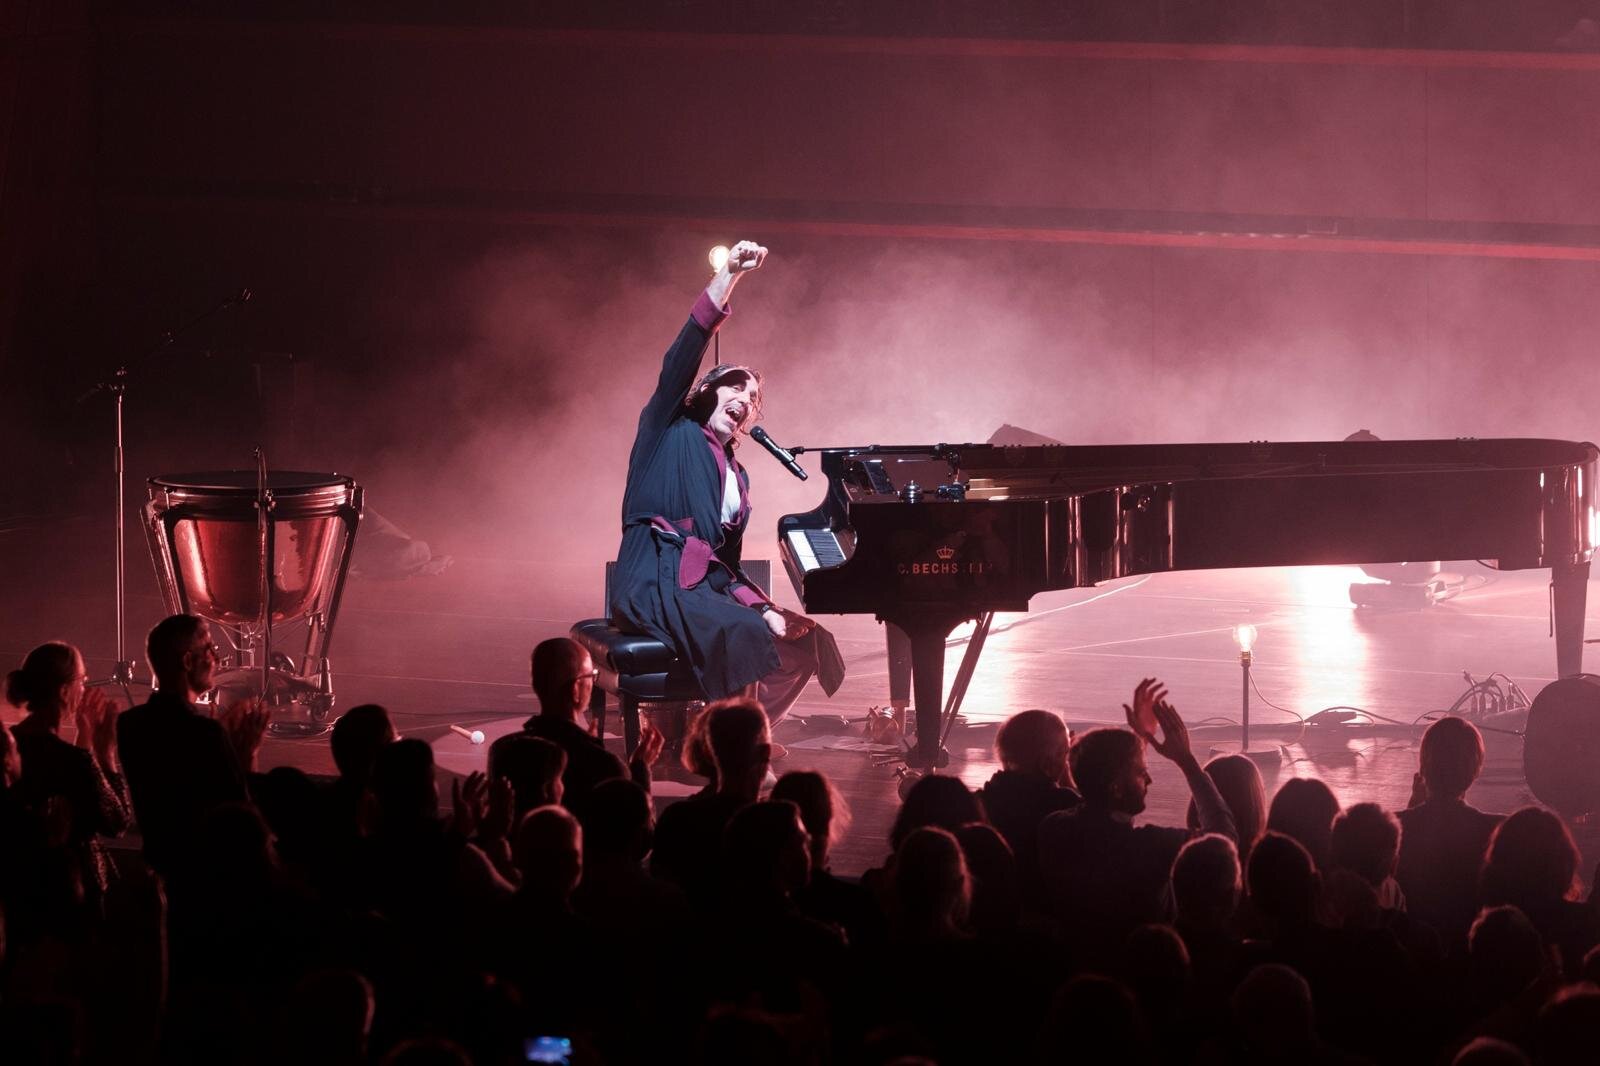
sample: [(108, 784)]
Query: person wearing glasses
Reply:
[(685, 509), (563, 679), (180, 762)]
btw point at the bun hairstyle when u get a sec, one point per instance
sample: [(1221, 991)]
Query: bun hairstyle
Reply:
[(36, 684), (702, 399)]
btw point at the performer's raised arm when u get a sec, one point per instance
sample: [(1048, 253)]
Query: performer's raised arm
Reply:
[(681, 364)]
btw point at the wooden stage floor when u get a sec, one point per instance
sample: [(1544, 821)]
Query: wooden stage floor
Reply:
[(453, 649)]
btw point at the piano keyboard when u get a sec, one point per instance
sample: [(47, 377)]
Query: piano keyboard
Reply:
[(815, 548)]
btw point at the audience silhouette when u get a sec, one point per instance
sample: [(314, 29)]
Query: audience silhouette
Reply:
[(551, 915)]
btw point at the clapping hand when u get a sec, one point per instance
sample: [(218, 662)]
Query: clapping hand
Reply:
[(1150, 710), (96, 719), (469, 802), (246, 724), (1142, 715), (648, 750)]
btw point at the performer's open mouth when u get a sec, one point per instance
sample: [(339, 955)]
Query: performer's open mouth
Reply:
[(736, 411)]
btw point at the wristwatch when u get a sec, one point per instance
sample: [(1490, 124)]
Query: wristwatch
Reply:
[(763, 607)]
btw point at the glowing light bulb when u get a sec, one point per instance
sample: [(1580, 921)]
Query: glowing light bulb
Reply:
[(718, 256), (1244, 636)]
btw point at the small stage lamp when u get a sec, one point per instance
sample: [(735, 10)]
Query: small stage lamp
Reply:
[(1245, 637)]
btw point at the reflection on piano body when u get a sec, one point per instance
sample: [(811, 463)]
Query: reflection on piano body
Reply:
[(928, 536)]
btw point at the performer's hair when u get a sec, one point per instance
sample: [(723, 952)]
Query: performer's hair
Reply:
[(702, 399)]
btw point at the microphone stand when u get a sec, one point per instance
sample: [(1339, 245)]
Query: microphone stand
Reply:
[(117, 385)]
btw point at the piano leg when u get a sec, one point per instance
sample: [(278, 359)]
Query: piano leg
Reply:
[(1569, 584), (927, 679), (899, 648)]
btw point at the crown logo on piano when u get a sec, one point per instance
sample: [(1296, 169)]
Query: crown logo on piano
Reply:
[(945, 553)]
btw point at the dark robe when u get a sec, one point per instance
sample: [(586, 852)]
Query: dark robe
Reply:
[(678, 576)]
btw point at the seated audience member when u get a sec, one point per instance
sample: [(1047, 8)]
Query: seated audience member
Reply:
[(1488, 1051), (939, 800), (79, 784), (996, 902), (181, 764), (1206, 886), (1095, 1019), (930, 888), (1366, 841), (930, 977), (416, 866), (1568, 1030), (765, 947), (347, 805), (328, 1021), (1275, 1017), (1509, 975), (1105, 874), (563, 680), (357, 737), (827, 898), (1239, 783), (1532, 864), (1363, 847), (1304, 808), (618, 830), (1034, 780), (1444, 838), (534, 767), (1361, 978), (1155, 967), (295, 809), (688, 843)]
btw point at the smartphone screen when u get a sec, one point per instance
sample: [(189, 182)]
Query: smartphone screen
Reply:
[(553, 1050)]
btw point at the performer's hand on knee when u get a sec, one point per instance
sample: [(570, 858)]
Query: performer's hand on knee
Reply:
[(776, 622), (796, 625)]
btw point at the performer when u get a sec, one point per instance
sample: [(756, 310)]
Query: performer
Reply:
[(684, 514)]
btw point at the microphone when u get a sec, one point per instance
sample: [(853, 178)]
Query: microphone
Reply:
[(783, 455)]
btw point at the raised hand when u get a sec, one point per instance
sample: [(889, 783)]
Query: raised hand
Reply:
[(97, 726), (246, 724), (651, 741), (1419, 791), (499, 811), (746, 256), (742, 259), (469, 802), (1174, 742), (1142, 715)]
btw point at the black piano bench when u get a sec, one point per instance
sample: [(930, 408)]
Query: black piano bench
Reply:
[(636, 669)]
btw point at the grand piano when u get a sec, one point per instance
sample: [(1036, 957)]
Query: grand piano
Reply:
[(926, 537)]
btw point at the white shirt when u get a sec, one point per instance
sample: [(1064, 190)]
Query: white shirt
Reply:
[(730, 495)]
